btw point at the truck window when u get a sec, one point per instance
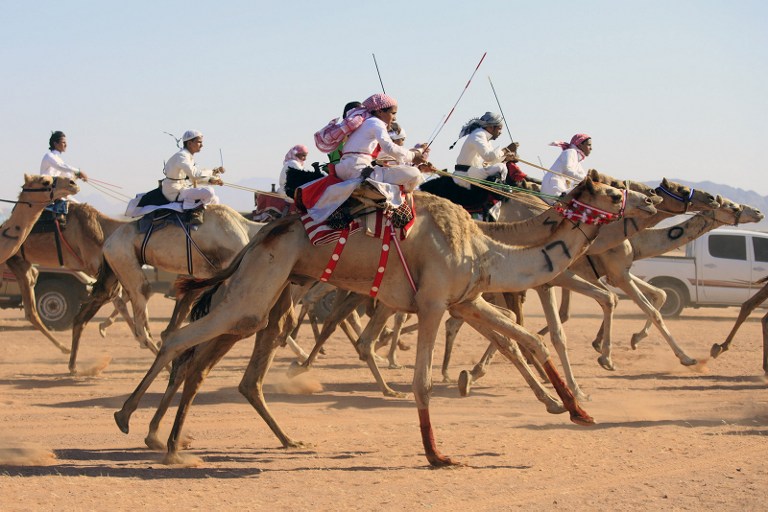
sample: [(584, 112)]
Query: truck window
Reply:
[(731, 247), (761, 248)]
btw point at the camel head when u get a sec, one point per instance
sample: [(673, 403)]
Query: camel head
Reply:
[(733, 214), (38, 188), (621, 184), (616, 202), (680, 198)]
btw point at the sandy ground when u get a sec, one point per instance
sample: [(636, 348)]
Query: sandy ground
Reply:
[(667, 438)]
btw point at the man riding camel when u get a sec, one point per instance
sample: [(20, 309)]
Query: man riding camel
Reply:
[(182, 177), (477, 158)]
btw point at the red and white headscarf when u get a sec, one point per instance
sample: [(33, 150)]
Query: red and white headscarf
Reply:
[(574, 144), (298, 148), (378, 102)]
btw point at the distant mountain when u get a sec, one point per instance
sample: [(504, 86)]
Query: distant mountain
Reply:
[(737, 195)]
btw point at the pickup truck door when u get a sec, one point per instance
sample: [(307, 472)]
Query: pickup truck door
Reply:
[(723, 269), (760, 263)]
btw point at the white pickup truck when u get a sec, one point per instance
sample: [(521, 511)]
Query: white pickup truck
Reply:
[(720, 268)]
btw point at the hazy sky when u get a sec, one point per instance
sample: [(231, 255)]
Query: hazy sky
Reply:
[(665, 88)]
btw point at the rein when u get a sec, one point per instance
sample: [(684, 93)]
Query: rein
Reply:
[(685, 200)]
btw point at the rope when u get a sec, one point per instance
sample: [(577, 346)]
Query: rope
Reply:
[(497, 188), (113, 194), (262, 192)]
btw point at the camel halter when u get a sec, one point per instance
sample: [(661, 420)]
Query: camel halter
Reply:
[(577, 211), (50, 190), (685, 200)]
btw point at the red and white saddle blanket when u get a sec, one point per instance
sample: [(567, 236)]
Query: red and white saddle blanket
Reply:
[(376, 224)]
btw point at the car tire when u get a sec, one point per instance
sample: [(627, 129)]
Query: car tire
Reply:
[(677, 299), (58, 301)]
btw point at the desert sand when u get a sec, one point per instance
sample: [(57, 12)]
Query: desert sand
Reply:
[(667, 437)]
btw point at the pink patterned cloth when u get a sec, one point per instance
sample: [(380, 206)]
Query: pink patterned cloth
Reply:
[(298, 148), (574, 144), (378, 102)]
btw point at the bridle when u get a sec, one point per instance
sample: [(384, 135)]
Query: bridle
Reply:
[(51, 189), (578, 211), (685, 200)]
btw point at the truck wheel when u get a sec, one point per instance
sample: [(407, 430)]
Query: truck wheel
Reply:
[(57, 302), (677, 299)]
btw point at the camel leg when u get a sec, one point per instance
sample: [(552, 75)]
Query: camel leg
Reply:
[(104, 289), (607, 300), (746, 309), (452, 326), (109, 322), (340, 311), (553, 405), (181, 310), (564, 312), (657, 297), (557, 335), (625, 283), (468, 378), (267, 341), (395, 340), (514, 302), (26, 276), (178, 375), (765, 343), (430, 315), (365, 347), (481, 312)]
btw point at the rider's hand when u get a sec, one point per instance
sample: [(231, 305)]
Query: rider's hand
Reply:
[(219, 170), (81, 175), (215, 181)]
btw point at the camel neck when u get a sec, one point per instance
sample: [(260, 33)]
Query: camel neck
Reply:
[(654, 242)]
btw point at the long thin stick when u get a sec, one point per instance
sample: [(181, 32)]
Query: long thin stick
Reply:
[(458, 100), (377, 72), (221, 157), (500, 110)]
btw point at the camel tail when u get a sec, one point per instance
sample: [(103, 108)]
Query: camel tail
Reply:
[(106, 284), (203, 305)]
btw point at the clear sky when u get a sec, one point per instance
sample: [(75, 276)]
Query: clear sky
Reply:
[(665, 88)]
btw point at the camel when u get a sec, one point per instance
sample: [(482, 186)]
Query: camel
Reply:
[(224, 233), (609, 236), (648, 243), (36, 193), (450, 259), (746, 309), (81, 244)]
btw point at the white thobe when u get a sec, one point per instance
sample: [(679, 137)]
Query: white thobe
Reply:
[(483, 161), (567, 163), (176, 187)]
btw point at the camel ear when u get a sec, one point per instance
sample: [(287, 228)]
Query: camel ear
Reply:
[(27, 178), (664, 183), (719, 199), (593, 175), (590, 185)]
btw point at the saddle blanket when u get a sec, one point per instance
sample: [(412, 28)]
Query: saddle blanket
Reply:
[(375, 224)]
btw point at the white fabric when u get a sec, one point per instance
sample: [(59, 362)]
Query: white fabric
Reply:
[(357, 156), (53, 165), (295, 164), (567, 163), (190, 134), (482, 159), (180, 166)]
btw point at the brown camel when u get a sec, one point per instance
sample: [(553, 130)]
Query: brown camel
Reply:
[(216, 242), (746, 309), (81, 244), (450, 259), (36, 193)]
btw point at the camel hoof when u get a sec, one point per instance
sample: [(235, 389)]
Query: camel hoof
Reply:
[(296, 369), (153, 443), (65, 350), (606, 363), (290, 443), (173, 459), (582, 418), (441, 461), (598, 346), (465, 383), (122, 421), (103, 330), (391, 393), (394, 366), (555, 408), (447, 379), (716, 350), (73, 371), (688, 361), (402, 346)]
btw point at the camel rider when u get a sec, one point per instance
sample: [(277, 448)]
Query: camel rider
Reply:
[(53, 165), (357, 162), (477, 158), (296, 158), (568, 165), (182, 177)]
